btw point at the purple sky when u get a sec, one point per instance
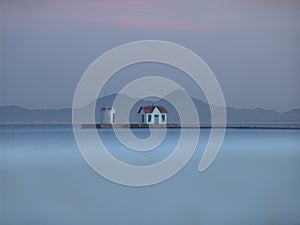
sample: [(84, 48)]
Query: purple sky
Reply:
[(253, 47)]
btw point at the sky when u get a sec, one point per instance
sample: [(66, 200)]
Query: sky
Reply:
[(252, 46)]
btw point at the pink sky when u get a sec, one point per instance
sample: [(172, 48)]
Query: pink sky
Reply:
[(246, 42), (135, 14)]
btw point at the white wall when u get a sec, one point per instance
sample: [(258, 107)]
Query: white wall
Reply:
[(107, 116), (152, 121)]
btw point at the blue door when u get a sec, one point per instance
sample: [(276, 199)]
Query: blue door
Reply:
[(156, 119)]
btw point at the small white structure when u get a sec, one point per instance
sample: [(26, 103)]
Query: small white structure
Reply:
[(107, 115), (152, 115)]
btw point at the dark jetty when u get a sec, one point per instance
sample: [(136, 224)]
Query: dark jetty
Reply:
[(176, 125)]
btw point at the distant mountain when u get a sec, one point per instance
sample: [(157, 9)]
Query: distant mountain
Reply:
[(16, 114)]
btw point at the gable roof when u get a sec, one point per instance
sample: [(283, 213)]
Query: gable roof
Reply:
[(150, 109)]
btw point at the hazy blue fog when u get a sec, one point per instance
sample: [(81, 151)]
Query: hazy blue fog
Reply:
[(254, 180)]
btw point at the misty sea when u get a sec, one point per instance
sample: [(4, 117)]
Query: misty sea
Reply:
[(254, 180)]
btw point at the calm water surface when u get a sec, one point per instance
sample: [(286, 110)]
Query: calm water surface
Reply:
[(254, 180)]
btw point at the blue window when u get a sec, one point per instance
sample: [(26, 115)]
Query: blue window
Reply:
[(143, 118), (163, 118), (149, 118)]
